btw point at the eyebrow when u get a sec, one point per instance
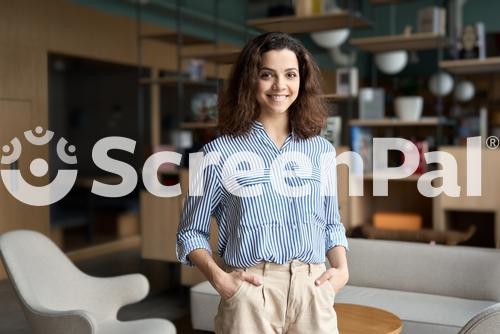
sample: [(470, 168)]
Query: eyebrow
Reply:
[(286, 70)]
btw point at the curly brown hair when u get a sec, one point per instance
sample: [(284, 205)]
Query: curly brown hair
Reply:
[(238, 106)]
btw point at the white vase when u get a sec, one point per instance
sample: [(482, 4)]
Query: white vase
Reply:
[(409, 108)]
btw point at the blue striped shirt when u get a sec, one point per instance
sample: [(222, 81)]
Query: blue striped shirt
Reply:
[(266, 224)]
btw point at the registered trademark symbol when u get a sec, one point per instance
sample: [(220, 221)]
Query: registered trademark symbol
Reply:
[(492, 142)]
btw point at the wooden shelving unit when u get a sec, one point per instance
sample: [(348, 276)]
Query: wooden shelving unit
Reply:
[(219, 57), (411, 178), (336, 97), (424, 121), (171, 38), (417, 41), (387, 2), (198, 125), (472, 66), (174, 80), (305, 24)]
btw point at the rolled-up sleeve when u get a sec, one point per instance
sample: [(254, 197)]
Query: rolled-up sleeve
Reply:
[(335, 230), (194, 228)]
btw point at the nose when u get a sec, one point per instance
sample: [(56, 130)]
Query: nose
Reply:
[(279, 83)]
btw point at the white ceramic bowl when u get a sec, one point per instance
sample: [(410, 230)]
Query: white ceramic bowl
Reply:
[(409, 108), (330, 38), (441, 84), (391, 62)]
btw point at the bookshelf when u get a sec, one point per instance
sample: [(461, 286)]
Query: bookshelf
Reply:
[(411, 42), (305, 24), (216, 56), (172, 38), (384, 122), (472, 66), (197, 125), (338, 98)]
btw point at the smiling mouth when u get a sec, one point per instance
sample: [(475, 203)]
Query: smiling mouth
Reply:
[(278, 98)]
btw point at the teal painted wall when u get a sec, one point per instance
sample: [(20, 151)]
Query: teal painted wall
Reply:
[(386, 20)]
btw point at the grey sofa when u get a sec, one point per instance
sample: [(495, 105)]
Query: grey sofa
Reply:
[(433, 289)]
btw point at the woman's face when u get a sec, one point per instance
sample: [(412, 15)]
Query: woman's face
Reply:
[(278, 82)]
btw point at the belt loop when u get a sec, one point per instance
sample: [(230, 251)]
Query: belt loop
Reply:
[(310, 268), (245, 269), (264, 269)]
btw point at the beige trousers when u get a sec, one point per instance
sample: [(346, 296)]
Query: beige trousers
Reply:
[(288, 302)]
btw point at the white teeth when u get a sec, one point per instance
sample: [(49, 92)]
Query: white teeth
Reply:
[(278, 98)]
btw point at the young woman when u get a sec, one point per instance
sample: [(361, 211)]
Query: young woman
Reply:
[(269, 184)]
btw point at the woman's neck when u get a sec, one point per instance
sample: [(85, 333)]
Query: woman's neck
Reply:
[(276, 126)]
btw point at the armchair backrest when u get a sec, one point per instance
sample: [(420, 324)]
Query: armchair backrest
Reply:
[(485, 322), (40, 273)]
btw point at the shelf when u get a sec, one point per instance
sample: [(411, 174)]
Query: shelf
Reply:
[(174, 81), (171, 38), (220, 57), (411, 178), (424, 121), (417, 41), (387, 2), (305, 24), (198, 125), (471, 66), (339, 98)]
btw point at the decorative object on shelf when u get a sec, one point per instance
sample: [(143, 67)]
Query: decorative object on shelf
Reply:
[(371, 103), (280, 10), (409, 108), (391, 62), (342, 59), (181, 139), (308, 7), (397, 220), (330, 38), (333, 130), (464, 91), (167, 168), (441, 84), (362, 143), (204, 107), (432, 19), (196, 69), (472, 42), (347, 81)]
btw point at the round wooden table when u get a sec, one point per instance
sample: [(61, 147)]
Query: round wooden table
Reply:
[(359, 319)]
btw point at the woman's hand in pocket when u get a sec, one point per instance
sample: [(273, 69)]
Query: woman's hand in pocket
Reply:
[(337, 277), (228, 284)]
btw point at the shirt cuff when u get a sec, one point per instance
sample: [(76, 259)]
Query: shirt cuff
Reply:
[(334, 238), (187, 246)]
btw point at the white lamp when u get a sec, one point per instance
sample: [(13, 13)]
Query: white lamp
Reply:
[(391, 62), (330, 38), (441, 84)]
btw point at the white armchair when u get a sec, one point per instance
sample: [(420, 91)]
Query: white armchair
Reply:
[(58, 298), (485, 322)]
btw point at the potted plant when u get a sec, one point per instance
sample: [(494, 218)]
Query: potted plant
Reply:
[(408, 105)]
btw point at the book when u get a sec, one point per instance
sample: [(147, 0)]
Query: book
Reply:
[(432, 19), (362, 143), (333, 130)]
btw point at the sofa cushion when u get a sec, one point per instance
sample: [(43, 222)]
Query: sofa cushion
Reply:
[(416, 307), (204, 304), (455, 271)]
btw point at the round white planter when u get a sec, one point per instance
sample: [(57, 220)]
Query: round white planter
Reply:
[(409, 108)]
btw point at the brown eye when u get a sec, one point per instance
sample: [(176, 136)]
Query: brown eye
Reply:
[(265, 75), (291, 75)]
